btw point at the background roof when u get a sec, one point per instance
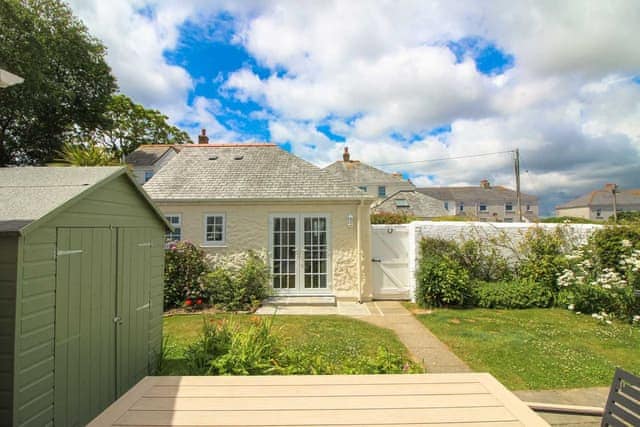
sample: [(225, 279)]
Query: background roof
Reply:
[(604, 198), (419, 204), (147, 155), (245, 171), (497, 194), (29, 193), (357, 172)]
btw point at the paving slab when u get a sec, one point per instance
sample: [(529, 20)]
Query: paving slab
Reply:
[(425, 347), (592, 396), (343, 308)]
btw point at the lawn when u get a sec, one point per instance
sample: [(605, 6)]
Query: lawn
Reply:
[(337, 338), (538, 348)]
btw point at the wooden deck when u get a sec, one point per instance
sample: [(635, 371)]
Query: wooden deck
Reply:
[(470, 400)]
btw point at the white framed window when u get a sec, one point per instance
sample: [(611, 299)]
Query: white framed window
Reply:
[(148, 175), (176, 221), (508, 220), (363, 188), (598, 212), (446, 206), (482, 207), (529, 208), (461, 207), (215, 229), (508, 206), (402, 203), (382, 191)]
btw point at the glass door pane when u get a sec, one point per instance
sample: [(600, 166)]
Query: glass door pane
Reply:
[(284, 253), (315, 252)]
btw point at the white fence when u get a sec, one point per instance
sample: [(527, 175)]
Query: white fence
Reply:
[(513, 233)]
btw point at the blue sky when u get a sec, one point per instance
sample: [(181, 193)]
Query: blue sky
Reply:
[(396, 83)]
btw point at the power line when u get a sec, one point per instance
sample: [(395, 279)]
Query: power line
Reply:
[(445, 158)]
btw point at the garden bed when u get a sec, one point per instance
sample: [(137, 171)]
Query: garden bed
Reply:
[(345, 344), (538, 348)]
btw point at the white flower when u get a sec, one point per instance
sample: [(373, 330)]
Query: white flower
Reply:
[(626, 243), (608, 322), (571, 307)]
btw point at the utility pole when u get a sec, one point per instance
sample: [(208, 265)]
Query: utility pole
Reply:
[(614, 190), (516, 168)]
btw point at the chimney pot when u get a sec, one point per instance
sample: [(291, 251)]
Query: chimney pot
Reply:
[(610, 187), (346, 156), (485, 184), (203, 138)]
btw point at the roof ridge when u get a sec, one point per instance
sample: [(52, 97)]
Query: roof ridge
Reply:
[(231, 145)]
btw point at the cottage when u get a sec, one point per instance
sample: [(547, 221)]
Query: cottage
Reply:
[(229, 198), (599, 204), (485, 202), (81, 265), (412, 203), (148, 159), (373, 181)]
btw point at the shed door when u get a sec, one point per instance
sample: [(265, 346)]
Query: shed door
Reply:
[(84, 329), (134, 275)]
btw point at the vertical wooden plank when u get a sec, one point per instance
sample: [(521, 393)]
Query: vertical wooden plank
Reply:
[(61, 331)]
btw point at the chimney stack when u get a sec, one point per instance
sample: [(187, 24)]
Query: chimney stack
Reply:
[(346, 156), (485, 184), (610, 187), (203, 138)]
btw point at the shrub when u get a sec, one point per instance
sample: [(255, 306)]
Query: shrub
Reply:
[(237, 282), (543, 256), (184, 267), (391, 218), (606, 247), (631, 217), (515, 294), (442, 281), (227, 348), (567, 220)]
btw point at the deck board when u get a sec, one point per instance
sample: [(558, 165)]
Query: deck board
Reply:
[(468, 399)]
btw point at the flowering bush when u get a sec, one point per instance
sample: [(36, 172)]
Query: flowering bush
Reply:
[(184, 266), (238, 281), (601, 277)]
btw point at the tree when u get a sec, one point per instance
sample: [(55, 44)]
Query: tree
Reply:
[(87, 155), (67, 83), (128, 125)]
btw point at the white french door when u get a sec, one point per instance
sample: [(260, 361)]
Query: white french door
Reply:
[(300, 254)]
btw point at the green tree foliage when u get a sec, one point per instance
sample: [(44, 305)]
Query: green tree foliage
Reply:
[(67, 83), (391, 218), (87, 155), (127, 125)]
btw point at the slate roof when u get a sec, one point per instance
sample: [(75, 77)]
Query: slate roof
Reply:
[(493, 195), (147, 155), (29, 193), (420, 205), (603, 197), (356, 172), (245, 172)]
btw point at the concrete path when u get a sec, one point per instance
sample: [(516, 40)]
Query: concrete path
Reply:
[(594, 396), (422, 344)]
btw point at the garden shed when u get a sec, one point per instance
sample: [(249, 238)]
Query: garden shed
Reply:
[(81, 283)]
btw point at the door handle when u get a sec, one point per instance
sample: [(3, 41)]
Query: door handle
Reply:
[(376, 259), (117, 320)]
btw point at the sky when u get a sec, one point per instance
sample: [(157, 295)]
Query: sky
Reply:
[(401, 83)]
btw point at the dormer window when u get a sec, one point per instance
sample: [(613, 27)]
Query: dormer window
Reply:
[(402, 203)]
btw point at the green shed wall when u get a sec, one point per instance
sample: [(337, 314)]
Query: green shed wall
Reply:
[(8, 276), (113, 204)]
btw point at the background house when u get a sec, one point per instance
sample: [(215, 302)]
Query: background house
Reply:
[(413, 203), (81, 291), (229, 198), (486, 203), (148, 159), (373, 181), (598, 204)]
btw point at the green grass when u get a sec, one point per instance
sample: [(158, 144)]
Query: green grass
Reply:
[(338, 338), (538, 348)]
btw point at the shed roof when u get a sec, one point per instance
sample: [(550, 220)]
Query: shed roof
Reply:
[(245, 171), (356, 172), (416, 204), (603, 197), (147, 155), (495, 194), (28, 194)]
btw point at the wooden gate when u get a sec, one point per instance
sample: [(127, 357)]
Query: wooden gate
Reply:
[(390, 261)]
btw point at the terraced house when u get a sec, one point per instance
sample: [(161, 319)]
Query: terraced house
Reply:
[(229, 198)]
